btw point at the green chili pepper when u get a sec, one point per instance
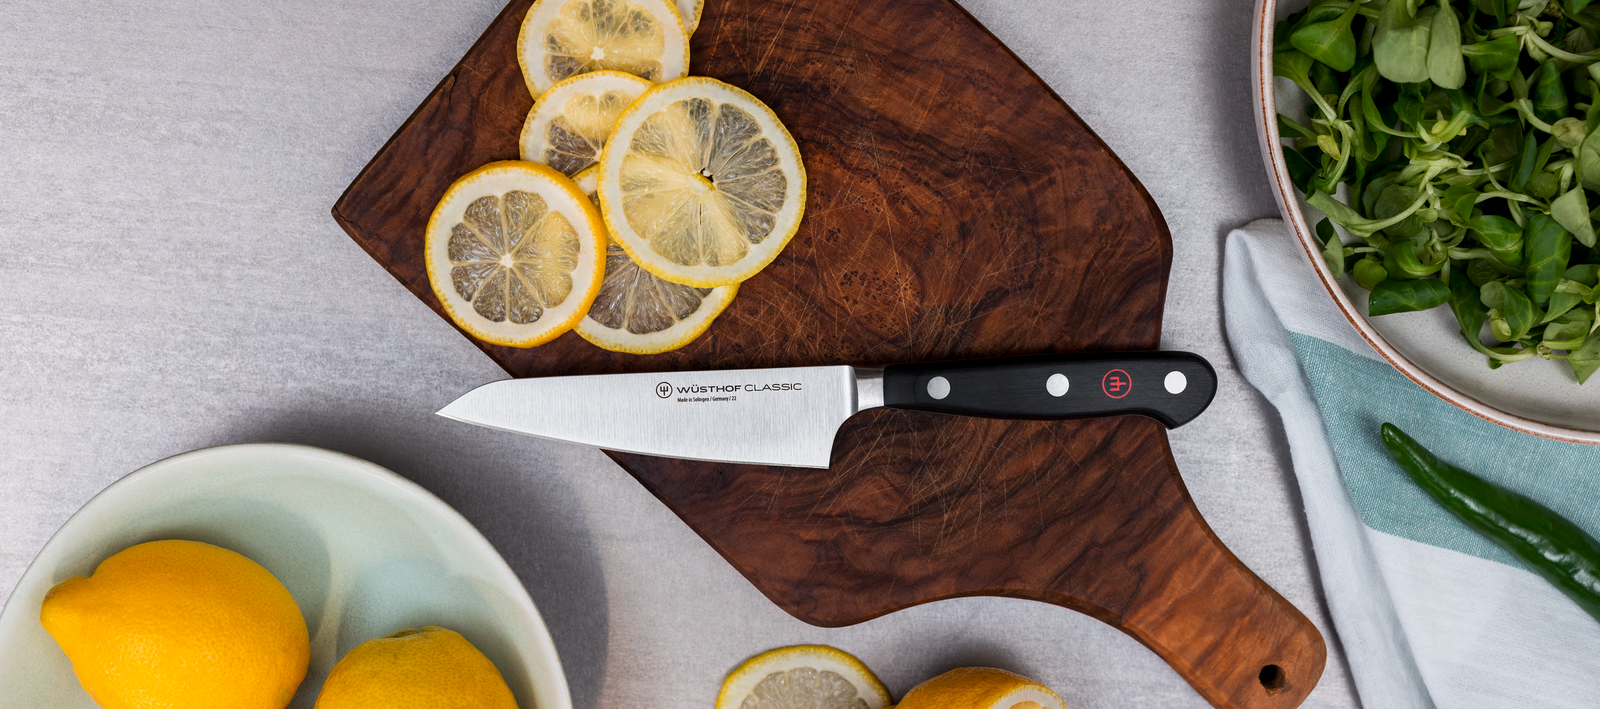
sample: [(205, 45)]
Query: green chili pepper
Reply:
[(1546, 247), (1546, 542)]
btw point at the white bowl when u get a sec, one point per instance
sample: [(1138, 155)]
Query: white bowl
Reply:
[(365, 552), (1534, 396)]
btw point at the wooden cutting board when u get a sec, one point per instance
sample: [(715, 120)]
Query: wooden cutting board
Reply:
[(957, 208)]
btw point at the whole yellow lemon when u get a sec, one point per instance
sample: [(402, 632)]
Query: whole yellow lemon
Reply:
[(431, 668), (980, 688), (171, 624)]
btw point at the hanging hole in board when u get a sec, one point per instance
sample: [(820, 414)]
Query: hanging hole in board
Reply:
[(1272, 678)]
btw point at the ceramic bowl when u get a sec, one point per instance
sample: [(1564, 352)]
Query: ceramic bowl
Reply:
[(1534, 396), (365, 552)]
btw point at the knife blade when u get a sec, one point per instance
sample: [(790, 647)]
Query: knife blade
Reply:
[(789, 416)]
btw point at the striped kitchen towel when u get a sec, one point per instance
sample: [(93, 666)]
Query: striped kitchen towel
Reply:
[(1429, 613)]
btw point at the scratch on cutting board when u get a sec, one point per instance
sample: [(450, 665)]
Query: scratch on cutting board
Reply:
[(718, 42), (774, 43), (932, 95), (837, 63)]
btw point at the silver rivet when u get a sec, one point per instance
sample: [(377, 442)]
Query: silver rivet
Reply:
[(1057, 384), (1176, 382), (938, 387)]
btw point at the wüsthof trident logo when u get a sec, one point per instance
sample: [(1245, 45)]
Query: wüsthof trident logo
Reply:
[(1116, 384), (663, 390)]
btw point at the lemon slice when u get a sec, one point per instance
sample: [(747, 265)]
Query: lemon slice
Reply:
[(690, 11), (640, 314), (980, 688), (701, 183), (587, 180), (515, 253), (564, 38), (803, 677), (569, 123)]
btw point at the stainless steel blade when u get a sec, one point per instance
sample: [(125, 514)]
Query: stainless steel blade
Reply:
[(763, 416)]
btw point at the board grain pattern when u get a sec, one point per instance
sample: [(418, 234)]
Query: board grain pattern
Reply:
[(957, 208)]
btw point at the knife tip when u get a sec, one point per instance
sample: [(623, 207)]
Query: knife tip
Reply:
[(450, 411), (467, 408)]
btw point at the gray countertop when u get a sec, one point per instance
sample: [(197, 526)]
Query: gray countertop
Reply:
[(172, 280)]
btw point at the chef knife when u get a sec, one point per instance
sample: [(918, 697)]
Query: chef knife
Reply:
[(789, 416)]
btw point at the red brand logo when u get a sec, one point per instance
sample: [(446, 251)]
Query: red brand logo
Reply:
[(1116, 384)]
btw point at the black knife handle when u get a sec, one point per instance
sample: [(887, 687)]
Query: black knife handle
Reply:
[(1170, 387)]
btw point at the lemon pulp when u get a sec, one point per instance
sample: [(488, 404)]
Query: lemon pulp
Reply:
[(803, 687), (803, 677), (514, 253), (639, 313), (590, 35), (701, 184), (577, 135), (511, 257), (560, 39), (569, 124)]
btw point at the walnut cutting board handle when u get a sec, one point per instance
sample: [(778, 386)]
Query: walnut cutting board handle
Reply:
[(1239, 643), (1091, 515)]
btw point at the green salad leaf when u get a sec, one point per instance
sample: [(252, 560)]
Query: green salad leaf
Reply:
[(1452, 148), (1400, 44), (1407, 296)]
